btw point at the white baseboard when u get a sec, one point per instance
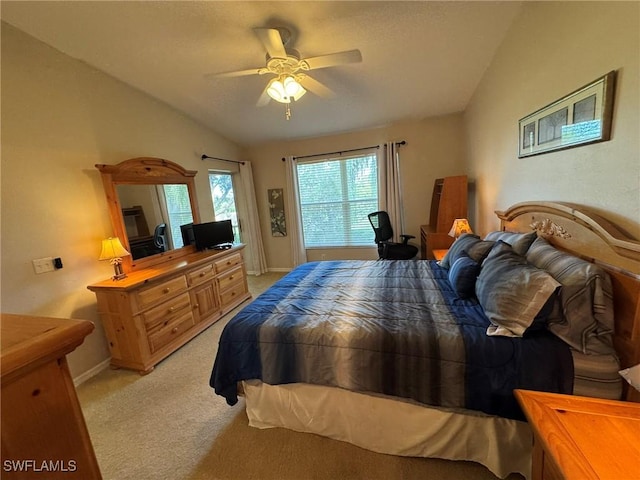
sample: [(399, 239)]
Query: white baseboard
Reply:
[(80, 379), (253, 272)]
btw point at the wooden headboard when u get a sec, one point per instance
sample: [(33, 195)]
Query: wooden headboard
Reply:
[(579, 231)]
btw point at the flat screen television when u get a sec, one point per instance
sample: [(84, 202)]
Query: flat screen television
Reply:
[(217, 235)]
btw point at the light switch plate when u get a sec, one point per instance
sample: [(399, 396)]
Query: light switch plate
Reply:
[(43, 265)]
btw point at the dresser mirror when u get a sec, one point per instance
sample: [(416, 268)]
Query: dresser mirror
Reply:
[(149, 199)]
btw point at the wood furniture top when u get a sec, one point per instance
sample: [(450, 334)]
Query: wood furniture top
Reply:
[(584, 438), (27, 342), (139, 277), (584, 233)]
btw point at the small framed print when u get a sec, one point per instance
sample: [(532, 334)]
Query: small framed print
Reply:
[(580, 118)]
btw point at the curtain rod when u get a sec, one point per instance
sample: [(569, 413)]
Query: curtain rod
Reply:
[(340, 152), (204, 157)]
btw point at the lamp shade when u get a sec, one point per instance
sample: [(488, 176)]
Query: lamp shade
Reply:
[(459, 227), (112, 248)]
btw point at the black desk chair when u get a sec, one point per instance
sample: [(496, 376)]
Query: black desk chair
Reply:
[(160, 238), (384, 232)]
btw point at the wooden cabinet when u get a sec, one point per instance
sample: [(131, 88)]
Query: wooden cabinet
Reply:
[(44, 434), (448, 202), (582, 438), (153, 312)]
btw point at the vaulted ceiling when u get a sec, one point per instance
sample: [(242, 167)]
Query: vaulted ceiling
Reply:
[(420, 58)]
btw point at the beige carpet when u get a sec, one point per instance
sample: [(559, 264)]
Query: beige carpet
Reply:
[(170, 425)]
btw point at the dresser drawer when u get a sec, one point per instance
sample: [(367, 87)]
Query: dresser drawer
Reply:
[(162, 290), (173, 329), (167, 312), (201, 275), (227, 279), (228, 262), (230, 294)]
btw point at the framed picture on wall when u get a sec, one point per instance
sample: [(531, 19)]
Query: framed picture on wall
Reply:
[(580, 118), (276, 212)]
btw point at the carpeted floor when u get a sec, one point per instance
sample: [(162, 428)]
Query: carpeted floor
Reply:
[(170, 425)]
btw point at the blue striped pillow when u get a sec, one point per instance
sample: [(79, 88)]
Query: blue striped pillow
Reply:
[(463, 274)]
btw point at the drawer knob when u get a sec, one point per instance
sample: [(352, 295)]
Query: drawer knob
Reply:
[(174, 329), (196, 306), (233, 294), (166, 290), (231, 277), (202, 274), (171, 309)]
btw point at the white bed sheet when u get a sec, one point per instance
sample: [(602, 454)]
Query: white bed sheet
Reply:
[(392, 426)]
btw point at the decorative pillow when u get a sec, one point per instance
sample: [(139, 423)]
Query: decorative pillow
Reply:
[(463, 274), (585, 317), (512, 292), (461, 243), (519, 241), (479, 250)]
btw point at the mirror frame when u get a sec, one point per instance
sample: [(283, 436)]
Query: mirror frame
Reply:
[(145, 171)]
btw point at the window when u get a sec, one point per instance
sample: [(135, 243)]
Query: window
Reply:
[(178, 210), (224, 200), (336, 195)]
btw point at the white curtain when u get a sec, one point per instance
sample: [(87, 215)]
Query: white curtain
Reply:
[(252, 235), (294, 220), (391, 190)]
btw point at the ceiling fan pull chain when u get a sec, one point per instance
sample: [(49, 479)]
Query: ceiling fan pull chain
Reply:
[(287, 111)]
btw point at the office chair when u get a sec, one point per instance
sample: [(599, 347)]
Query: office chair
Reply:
[(159, 237), (384, 232)]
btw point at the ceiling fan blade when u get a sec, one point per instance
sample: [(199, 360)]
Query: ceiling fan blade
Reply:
[(315, 87), (237, 73), (332, 59), (264, 98), (272, 42)]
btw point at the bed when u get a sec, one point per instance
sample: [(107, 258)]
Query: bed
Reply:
[(408, 358)]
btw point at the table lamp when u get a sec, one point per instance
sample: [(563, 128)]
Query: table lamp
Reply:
[(459, 227), (113, 251)]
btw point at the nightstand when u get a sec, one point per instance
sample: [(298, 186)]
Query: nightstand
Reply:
[(439, 254), (581, 437)]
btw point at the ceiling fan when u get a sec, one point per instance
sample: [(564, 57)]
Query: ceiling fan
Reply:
[(291, 79)]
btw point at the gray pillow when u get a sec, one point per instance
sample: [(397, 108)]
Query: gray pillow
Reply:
[(519, 241), (585, 317), (456, 249), (512, 292)]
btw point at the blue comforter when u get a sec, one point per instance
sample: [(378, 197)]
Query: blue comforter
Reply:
[(390, 327)]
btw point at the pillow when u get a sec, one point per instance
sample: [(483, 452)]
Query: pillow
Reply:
[(512, 292), (519, 241), (584, 318), (478, 251), (462, 276), (462, 242)]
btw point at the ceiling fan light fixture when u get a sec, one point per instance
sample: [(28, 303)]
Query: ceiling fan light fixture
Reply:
[(283, 89)]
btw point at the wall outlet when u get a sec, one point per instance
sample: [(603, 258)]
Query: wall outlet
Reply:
[(323, 256), (43, 265)]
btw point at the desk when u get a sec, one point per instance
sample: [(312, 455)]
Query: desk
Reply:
[(42, 423), (582, 438), (430, 241)]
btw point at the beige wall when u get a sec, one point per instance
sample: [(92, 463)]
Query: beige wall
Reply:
[(59, 118), (435, 148), (552, 49)]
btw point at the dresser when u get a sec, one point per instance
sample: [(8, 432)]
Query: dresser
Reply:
[(154, 311), (582, 438), (44, 434)]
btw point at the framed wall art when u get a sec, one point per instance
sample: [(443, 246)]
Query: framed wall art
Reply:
[(276, 212), (580, 118)]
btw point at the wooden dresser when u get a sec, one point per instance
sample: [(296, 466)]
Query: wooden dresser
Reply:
[(44, 434), (154, 311), (582, 438)]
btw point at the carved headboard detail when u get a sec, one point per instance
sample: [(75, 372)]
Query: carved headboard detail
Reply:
[(577, 230)]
